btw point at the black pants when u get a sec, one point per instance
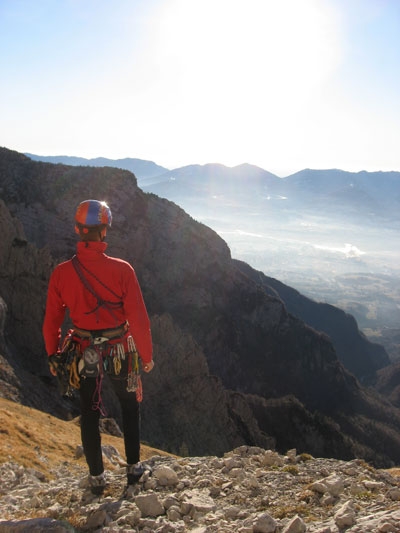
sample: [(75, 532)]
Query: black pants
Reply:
[(90, 432)]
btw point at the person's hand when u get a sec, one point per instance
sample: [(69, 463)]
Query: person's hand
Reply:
[(148, 367)]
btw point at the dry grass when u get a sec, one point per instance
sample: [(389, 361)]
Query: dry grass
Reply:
[(38, 440)]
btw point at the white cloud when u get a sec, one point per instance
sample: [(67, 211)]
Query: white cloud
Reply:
[(348, 250)]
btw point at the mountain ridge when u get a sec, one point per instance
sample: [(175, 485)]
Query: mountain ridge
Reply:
[(82, 161), (143, 167)]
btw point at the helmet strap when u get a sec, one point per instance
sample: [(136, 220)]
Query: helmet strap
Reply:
[(91, 234)]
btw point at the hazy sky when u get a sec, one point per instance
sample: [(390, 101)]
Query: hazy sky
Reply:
[(282, 84)]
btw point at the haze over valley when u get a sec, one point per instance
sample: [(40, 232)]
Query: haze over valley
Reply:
[(354, 267)]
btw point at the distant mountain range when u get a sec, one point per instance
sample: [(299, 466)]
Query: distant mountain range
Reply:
[(244, 190), (362, 195)]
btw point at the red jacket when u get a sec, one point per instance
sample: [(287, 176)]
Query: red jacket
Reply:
[(66, 291)]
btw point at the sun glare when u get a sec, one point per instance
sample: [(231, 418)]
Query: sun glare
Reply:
[(254, 64)]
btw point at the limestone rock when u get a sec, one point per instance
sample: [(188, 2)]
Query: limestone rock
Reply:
[(333, 484), (149, 505), (295, 525), (199, 500), (166, 476), (346, 515), (265, 524)]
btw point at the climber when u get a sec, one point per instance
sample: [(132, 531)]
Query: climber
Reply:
[(110, 330)]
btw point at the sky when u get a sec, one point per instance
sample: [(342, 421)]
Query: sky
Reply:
[(281, 84)]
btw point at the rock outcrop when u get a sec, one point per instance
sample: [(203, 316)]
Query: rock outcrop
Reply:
[(388, 382), (23, 283)]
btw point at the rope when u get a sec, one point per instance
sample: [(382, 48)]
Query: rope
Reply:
[(101, 302), (98, 404)]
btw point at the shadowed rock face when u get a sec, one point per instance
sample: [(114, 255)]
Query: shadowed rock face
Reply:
[(360, 356), (219, 335)]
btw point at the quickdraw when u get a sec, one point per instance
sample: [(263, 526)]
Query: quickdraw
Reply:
[(134, 380), (117, 364), (70, 372), (121, 351), (74, 378)]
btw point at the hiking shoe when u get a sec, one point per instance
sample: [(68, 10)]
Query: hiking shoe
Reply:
[(97, 484), (135, 472)]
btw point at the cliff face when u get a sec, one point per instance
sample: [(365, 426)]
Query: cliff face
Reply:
[(23, 283), (219, 336), (362, 357)]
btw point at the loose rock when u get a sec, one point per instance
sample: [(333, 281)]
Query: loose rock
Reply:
[(249, 490)]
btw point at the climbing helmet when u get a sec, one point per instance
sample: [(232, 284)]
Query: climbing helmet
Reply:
[(92, 213)]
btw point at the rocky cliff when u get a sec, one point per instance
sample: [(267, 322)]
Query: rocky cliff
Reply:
[(224, 346), (362, 357)]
